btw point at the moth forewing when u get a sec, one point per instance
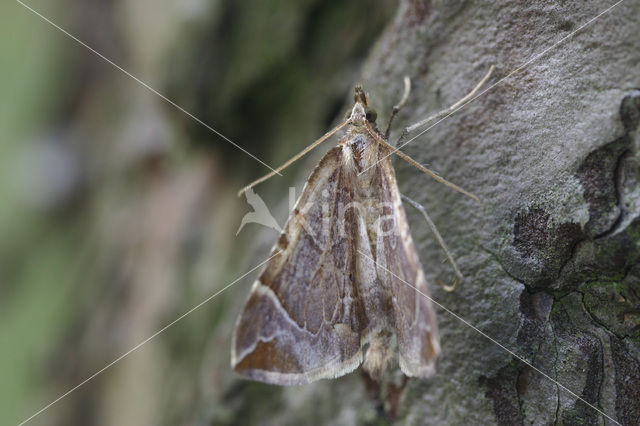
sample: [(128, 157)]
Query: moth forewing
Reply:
[(336, 287), (304, 319), (398, 266)]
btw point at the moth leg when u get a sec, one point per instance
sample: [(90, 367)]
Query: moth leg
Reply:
[(447, 111), (417, 165), (295, 158), (452, 262), (399, 105)]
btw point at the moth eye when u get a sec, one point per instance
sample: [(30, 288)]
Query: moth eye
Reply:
[(371, 115)]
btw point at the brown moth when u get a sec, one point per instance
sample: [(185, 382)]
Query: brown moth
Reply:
[(323, 305)]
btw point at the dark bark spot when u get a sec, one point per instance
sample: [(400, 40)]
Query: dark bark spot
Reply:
[(566, 25), (598, 176), (581, 352), (545, 245), (535, 310), (630, 111), (501, 389), (627, 382), (616, 255), (590, 348)]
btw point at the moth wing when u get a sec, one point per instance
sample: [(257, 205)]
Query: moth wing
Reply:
[(304, 318), (415, 323)]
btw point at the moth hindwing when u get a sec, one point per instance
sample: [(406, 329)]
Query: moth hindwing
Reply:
[(323, 301)]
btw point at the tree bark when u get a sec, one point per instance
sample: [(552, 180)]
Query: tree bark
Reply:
[(551, 255)]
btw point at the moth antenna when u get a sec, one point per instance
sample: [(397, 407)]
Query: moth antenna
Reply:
[(294, 159), (452, 262), (400, 105), (417, 165), (449, 110)]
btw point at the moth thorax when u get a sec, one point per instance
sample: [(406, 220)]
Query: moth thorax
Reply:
[(362, 152), (358, 113)]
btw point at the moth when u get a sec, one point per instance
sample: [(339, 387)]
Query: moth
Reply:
[(335, 294)]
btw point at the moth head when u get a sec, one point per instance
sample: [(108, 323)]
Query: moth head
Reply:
[(358, 114)]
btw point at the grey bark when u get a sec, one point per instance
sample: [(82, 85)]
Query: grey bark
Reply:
[(551, 256)]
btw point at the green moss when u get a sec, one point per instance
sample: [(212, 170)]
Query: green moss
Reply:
[(615, 305)]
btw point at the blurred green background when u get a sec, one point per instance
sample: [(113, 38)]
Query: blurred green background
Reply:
[(118, 211)]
